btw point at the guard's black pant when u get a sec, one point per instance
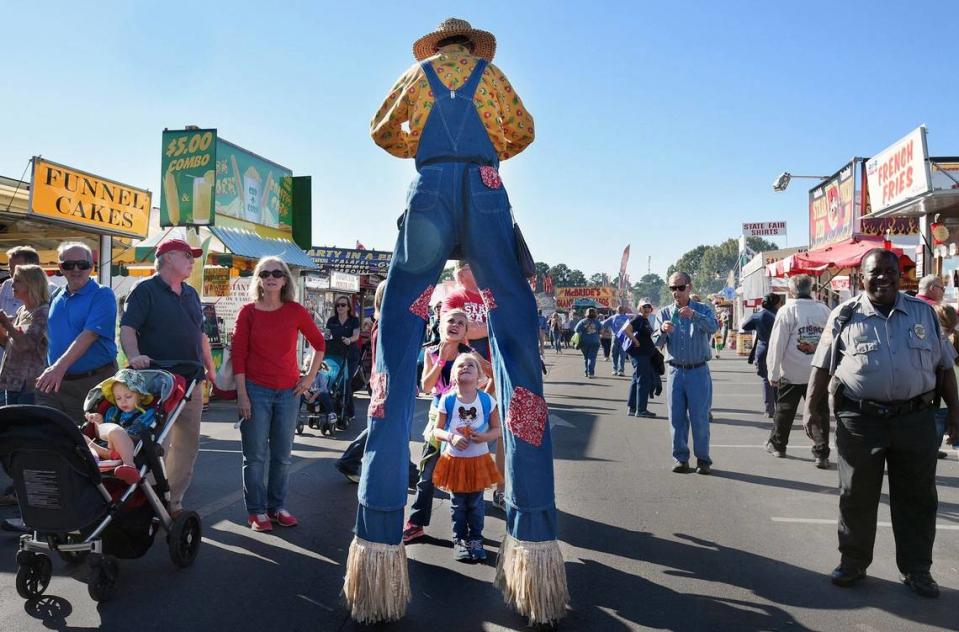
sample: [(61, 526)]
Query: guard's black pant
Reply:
[(787, 402), (906, 445)]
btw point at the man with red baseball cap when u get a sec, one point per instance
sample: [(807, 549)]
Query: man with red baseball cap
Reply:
[(163, 322)]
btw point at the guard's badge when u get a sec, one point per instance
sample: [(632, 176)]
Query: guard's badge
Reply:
[(920, 331)]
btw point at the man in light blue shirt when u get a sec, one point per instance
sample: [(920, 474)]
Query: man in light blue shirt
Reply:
[(615, 323), (685, 332)]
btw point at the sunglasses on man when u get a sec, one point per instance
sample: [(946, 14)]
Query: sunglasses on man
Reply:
[(276, 274), (677, 288), (77, 265)]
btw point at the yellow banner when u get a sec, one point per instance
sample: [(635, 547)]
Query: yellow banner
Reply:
[(75, 197), (603, 296)]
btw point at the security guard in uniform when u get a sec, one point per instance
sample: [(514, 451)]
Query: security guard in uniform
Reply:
[(884, 350)]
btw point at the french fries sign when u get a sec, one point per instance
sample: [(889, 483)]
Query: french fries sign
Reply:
[(67, 195)]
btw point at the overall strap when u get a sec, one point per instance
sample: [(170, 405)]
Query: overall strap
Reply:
[(468, 89), (434, 80)]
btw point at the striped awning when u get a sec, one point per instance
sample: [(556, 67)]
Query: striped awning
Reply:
[(248, 244)]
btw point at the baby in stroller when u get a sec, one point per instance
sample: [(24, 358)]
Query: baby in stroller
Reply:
[(122, 423)]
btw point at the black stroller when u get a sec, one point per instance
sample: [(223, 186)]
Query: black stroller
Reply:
[(73, 508)]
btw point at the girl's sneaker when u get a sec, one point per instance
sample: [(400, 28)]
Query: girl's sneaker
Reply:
[(477, 552), (461, 551), (128, 474), (283, 518), (259, 522), (412, 532)]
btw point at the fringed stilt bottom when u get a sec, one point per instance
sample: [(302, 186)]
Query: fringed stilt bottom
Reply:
[(377, 584), (532, 578)]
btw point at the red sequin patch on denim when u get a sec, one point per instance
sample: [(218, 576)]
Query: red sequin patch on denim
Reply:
[(527, 416), (421, 306), (377, 407), (490, 177), (488, 299)]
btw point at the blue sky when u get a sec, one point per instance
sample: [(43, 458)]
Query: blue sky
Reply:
[(661, 125)]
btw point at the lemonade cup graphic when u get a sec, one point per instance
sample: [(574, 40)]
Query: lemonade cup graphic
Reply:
[(203, 197), (252, 187), (172, 198)]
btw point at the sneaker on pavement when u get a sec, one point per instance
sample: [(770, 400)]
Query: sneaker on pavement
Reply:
[(499, 500), (8, 500), (680, 467), (922, 584), (412, 532), (822, 463), (703, 468), (461, 551), (773, 450), (283, 518), (646, 413), (630, 412), (259, 522), (477, 552), (942, 455)]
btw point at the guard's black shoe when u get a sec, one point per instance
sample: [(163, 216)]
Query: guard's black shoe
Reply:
[(680, 467), (844, 577), (351, 474), (703, 468), (922, 583)]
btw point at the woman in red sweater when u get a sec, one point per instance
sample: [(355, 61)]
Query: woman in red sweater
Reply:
[(269, 386)]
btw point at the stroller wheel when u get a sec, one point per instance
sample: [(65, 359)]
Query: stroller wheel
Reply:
[(104, 576), (184, 538), (33, 574)]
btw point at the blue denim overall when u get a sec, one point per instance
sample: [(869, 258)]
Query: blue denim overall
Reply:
[(448, 206)]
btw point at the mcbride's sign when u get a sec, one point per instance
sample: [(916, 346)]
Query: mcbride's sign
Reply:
[(67, 195)]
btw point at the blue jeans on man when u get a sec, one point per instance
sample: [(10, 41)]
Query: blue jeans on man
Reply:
[(268, 433), (642, 385), (619, 357), (690, 392)]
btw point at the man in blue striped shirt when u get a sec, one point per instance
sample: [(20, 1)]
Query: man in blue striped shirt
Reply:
[(685, 332)]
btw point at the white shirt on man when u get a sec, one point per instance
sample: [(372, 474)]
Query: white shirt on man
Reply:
[(795, 336)]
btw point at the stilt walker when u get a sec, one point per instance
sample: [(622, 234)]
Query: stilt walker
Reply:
[(463, 117)]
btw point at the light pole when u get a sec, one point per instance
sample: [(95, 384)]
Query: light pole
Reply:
[(780, 183)]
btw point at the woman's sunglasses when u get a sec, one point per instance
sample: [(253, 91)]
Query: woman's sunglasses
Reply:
[(342, 305), (78, 265), (276, 274)]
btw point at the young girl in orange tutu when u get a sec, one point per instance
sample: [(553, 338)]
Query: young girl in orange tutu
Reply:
[(468, 419)]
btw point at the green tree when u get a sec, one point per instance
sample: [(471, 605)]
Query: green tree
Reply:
[(542, 269), (709, 266), (577, 278), (597, 279), (650, 286), (560, 273), (446, 274)]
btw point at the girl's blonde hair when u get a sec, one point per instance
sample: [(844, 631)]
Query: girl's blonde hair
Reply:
[(462, 359), (287, 294), (378, 298), (36, 281), (453, 312)]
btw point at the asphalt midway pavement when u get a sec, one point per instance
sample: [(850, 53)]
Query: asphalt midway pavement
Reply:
[(748, 548)]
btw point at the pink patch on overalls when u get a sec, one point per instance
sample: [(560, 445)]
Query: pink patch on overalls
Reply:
[(490, 177), (421, 306), (377, 407), (527, 416), (488, 299)]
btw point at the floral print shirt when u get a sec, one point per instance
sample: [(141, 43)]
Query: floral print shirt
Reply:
[(25, 360), (509, 125)]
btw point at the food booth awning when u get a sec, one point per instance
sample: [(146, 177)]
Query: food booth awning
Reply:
[(845, 254)]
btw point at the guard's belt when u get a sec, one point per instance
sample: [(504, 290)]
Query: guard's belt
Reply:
[(886, 409)]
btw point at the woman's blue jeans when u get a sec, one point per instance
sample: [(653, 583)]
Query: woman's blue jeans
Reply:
[(589, 356), (643, 377), (268, 433)]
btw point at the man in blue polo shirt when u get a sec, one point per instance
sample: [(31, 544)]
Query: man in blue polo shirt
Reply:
[(615, 323), (163, 322), (81, 331)]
